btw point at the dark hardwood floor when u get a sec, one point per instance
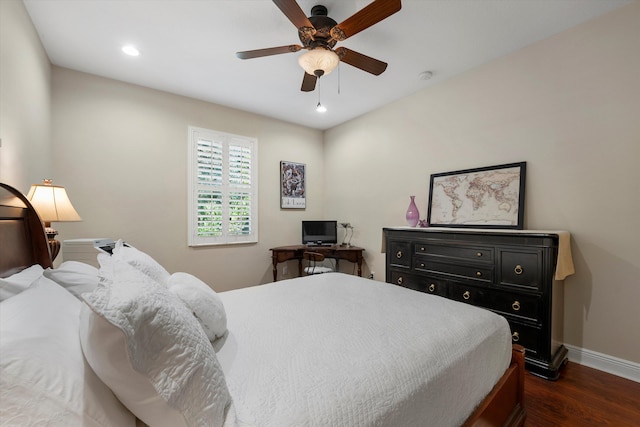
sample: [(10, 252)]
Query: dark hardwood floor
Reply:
[(582, 397)]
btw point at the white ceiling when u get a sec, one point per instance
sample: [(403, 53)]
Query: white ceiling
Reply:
[(188, 47)]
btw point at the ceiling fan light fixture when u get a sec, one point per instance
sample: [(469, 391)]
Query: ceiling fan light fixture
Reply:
[(324, 60), (321, 108)]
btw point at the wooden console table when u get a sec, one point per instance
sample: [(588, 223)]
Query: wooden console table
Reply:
[(286, 253)]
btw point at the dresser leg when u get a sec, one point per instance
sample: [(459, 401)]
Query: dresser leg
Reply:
[(550, 371)]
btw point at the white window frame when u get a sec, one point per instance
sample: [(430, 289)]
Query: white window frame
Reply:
[(225, 188)]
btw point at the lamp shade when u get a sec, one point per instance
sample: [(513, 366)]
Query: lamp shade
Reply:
[(319, 59), (52, 203)]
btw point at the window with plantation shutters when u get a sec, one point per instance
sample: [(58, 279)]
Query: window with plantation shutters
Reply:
[(223, 188)]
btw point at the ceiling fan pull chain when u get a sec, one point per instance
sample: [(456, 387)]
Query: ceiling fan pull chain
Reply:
[(320, 108), (339, 79)]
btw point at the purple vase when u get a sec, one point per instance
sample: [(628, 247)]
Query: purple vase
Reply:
[(413, 215)]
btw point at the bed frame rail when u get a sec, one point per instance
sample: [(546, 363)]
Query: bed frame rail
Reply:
[(504, 406)]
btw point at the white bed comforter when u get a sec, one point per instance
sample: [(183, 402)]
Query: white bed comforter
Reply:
[(337, 350)]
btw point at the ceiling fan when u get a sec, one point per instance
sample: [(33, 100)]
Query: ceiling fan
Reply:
[(319, 34)]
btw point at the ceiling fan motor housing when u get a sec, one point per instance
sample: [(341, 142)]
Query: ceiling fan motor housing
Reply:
[(319, 10), (322, 24)]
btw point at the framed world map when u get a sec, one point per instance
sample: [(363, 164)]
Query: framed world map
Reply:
[(487, 197)]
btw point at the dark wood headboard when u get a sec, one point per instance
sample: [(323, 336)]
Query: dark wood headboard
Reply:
[(23, 241)]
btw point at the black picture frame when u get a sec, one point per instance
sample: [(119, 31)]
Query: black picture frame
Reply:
[(486, 197), (293, 185)]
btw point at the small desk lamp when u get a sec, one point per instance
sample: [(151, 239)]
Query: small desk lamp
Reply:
[(52, 204), (347, 226)]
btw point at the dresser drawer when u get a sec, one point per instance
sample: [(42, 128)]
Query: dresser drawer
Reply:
[(521, 269), (530, 337), (402, 278), (526, 307), (433, 285), (482, 273), (399, 253), (475, 253), (419, 283), (470, 294)]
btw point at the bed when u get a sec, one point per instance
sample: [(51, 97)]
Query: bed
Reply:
[(323, 350)]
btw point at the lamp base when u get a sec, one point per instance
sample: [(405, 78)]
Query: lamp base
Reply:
[(54, 245)]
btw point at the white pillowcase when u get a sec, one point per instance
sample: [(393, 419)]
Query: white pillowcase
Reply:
[(44, 379), (149, 349), (142, 262), (202, 301), (76, 277), (19, 282)]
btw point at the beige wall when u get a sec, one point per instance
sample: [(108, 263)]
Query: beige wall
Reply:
[(25, 100), (568, 106), (121, 152)]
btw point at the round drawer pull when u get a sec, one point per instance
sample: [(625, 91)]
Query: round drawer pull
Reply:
[(518, 270), (422, 249), (399, 281), (432, 287), (515, 337), (422, 265), (399, 254), (515, 305), (478, 254), (479, 273), (466, 295)]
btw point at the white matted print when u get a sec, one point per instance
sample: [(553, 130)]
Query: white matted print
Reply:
[(293, 194)]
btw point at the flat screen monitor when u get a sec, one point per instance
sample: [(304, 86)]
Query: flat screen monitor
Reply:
[(319, 232)]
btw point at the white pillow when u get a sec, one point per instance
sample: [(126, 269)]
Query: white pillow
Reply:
[(141, 261), (44, 379), (16, 283), (202, 301), (76, 277), (148, 348)]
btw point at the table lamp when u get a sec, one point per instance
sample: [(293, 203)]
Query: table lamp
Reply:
[(347, 226), (52, 205)]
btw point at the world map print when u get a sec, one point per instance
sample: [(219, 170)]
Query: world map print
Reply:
[(486, 197)]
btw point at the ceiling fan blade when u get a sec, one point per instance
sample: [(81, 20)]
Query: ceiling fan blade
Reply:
[(358, 60), (292, 10), (248, 54), (308, 83), (375, 12)]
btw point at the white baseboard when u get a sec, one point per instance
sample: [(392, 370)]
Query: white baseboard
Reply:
[(604, 362)]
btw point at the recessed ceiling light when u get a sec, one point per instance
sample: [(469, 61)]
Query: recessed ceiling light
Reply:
[(130, 50)]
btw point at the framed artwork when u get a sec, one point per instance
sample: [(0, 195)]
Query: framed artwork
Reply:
[(293, 194), (488, 197)]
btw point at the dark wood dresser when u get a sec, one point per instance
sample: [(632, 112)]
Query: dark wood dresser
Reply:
[(508, 272)]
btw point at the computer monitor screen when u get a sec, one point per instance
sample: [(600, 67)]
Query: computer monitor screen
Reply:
[(319, 232)]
